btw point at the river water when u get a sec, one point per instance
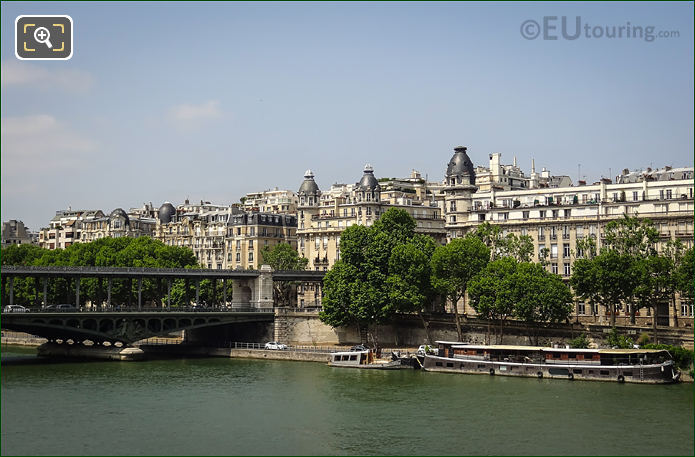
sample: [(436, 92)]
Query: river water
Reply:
[(221, 406)]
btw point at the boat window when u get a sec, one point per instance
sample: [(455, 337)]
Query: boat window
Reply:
[(481, 367), (591, 371), (573, 356), (577, 371), (479, 351), (450, 364), (353, 357), (439, 364), (604, 372), (556, 355), (627, 373)]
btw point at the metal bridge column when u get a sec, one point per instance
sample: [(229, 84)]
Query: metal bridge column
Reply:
[(45, 292), (197, 292), (168, 293), (224, 292), (11, 279), (140, 294), (108, 293), (77, 292)]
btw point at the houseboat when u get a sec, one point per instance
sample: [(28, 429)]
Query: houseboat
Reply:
[(362, 359), (653, 366)]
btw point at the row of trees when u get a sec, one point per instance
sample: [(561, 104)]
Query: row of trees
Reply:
[(629, 271), (387, 269), (105, 252), (131, 252)]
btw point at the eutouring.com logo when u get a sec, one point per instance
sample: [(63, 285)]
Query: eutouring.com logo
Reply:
[(562, 28)]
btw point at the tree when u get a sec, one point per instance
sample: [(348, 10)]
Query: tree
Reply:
[(491, 292), (454, 265), (500, 245), (632, 235), (283, 257), (357, 292), (409, 284), (540, 296), (609, 278)]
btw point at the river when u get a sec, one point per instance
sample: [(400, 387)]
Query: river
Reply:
[(219, 406)]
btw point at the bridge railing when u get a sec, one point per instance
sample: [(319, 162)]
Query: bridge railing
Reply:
[(146, 309)]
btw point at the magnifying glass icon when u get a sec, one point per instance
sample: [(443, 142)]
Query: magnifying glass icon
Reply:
[(42, 35)]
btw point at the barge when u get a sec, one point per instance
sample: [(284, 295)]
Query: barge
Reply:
[(652, 366)]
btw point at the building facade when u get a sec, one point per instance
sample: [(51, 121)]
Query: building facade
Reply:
[(224, 237), (557, 216), (66, 228), (275, 201), (116, 225), (15, 233)]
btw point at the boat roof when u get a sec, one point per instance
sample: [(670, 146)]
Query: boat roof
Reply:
[(503, 347)]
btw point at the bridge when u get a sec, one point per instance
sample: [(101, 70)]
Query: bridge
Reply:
[(104, 322)]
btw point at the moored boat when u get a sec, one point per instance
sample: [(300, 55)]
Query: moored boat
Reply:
[(653, 366), (362, 359)]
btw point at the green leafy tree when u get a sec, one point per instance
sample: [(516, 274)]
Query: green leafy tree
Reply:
[(409, 285), (492, 293), (283, 257), (540, 296), (500, 245), (357, 292), (454, 265)]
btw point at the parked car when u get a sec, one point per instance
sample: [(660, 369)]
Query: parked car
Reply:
[(275, 345), (15, 309), (359, 347), (64, 307), (427, 349)]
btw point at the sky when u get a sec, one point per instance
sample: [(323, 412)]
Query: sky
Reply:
[(209, 101)]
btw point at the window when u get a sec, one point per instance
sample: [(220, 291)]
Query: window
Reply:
[(686, 309), (568, 213), (525, 214), (580, 252), (238, 231), (553, 251), (250, 256), (481, 217), (553, 268), (669, 194), (452, 206), (581, 308), (252, 231), (635, 196), (452, 218), (661, 194), (250, 244), (238, 257), (556, 212), (541, 214), (566, 250), (566, 271), (504, 216)]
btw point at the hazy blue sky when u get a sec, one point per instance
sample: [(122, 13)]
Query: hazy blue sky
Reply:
[(210, 101)]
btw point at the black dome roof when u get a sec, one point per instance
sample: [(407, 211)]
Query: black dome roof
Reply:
[(368, 181), (166, 213), (309, 186), (460, 164)]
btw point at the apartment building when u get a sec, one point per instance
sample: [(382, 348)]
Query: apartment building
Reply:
[(275, 201), (14, 232), (556, 216), (66, 228), (224, 237)]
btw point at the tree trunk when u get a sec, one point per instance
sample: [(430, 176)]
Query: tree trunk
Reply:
[(456, 319), (675, 311), (656, 337), (427, 327), (501, 331), (633, 311), (612, 314)]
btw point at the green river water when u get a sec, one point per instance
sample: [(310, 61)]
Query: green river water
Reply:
[(221, 406)]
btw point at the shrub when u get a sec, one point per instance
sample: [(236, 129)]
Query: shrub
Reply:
[(580, 342), (643, 339), (620, 341)]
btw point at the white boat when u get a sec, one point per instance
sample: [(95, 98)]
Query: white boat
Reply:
[(362, 359)]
